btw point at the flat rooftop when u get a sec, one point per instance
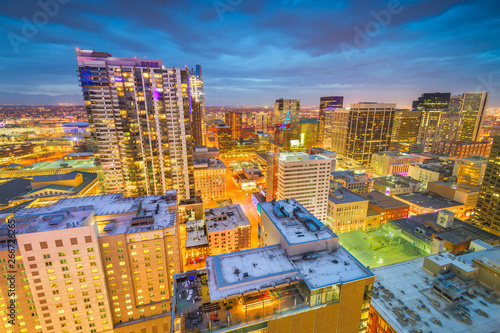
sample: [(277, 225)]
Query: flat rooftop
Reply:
[(208, 163), (293, 230), (196, 235), (296, 157), (383, 201), (425, 311), (225, 218), (431, 201), (342, 196)]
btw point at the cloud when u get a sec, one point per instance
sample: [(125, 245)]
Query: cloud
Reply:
[(258, 50)]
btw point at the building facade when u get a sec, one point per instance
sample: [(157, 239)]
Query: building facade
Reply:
[(210, 178), (461, 148), (287, 111), (370, 127), (431, 105), (198, 94), (139, 117), (390, 162), (472, 115), (234, 120), (304, 178), (487, 212), (327, 104), (406, 125)]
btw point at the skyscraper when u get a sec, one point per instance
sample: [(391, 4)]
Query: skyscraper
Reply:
[(337, 125), (431, 105), (139, 119), (309, 133), (262, 122), (487, 212), (288, 111), (234, 120), (197, 123), (405, 127), (198, 94), (327, 104), (472, 115), (223, 138), (370, 127)]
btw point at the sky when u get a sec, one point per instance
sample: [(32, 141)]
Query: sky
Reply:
[(253, 51)]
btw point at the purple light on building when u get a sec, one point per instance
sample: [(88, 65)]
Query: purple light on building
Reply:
[(118, 79), (156, 94)]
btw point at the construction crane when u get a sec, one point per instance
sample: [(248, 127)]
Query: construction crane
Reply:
[(278, 128)]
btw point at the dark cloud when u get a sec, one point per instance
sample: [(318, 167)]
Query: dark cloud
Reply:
[(254, 51)]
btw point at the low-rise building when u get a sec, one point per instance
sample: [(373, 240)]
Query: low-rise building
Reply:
[(429, 172), (463, 193), (439, 293), (470, 170), (205, 152), (397, 184), (353, 181), (197, 248), (346, 210), (428, 202), (254, 174), (461, 148), (210, 178), (228, 229), (393, 162), (388, 207)]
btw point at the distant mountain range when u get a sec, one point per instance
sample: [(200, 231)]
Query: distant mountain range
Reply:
[(41, 99)]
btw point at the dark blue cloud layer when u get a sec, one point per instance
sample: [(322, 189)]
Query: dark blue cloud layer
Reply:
[(255, 51)]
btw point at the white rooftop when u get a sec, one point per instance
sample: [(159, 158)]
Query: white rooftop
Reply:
[(411, 285), (293, 230), (447, 258), (225, 218), (196, 235)]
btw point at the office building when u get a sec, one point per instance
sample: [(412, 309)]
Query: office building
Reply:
[(95, 264), (223, 141), (464, 193), (197, 123), (198, 94), (431, 105), (406, 125), (324, 152), (141, 136), (327, 105), (449, 126), (487, 212), (461, 148), (397, 184), (302, 177), (388, 163), (430, 172), (262, 122), (411, 296), (309, 133), (210, 178), (346, 210), (287, 111), (336, 129), (353, 181), (429, 202), (228, 229), (370, 127), (470, 170), (234, 120), (302, 281), (388, 207), (472, 112)]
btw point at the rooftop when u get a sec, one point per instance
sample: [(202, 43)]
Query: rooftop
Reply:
[(196, 235), (342, 196), (296, 157), (403, 296), (12, 189), (208, 163), (295, 223), (429, 200), (383, 201), (225, 218)]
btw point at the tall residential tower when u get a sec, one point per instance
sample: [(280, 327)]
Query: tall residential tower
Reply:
[(139, 120)]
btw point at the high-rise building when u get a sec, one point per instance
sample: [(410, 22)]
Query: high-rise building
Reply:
[(302, 177), (262, 122), (223, 139), (197, 123), (431, 105), (309, 133), (198, 94), (487, 212), (461, 148), (455, 102), (95, 264), (370, 127), (287, 111), (234, 120), (472, 115), (336, 129), (405, 127), (140, 124), (327, 104), (449, 126)]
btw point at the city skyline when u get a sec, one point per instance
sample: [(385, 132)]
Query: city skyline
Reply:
[(254, 55)]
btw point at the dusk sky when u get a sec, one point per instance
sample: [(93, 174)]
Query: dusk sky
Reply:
[(253, 51)]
